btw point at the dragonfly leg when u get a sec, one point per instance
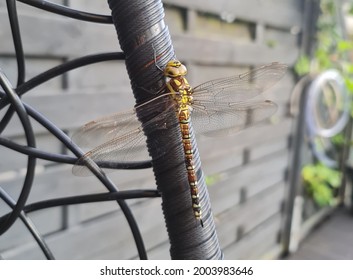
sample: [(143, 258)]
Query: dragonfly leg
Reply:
[(155, 58)]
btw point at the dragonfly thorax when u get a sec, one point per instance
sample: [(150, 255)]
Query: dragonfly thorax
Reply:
[(178, 84), (185, 98)]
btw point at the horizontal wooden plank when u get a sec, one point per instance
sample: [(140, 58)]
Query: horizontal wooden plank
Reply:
[(175, 19), (72, 110), (257, 244), (206, 26), (110, 76), (242, 185), (211, 51), (60, 182), (21, 6), (14, 161), (160, 252), (284, 14), (34, 66), (68, 32), (46, 222), (203, 50), (108, 237), (97, 7), (267, 149), (230, 149), (250, 215), (152, 226)]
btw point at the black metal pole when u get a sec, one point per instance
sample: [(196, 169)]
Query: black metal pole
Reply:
[(145, 40), (311, 11)]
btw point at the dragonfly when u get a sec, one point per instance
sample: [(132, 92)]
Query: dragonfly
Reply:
[(217, 107)]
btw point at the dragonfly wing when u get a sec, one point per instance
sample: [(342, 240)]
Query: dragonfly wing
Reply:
[(227, 118), (104, 129), (121, 138), (240, 87), (230, 104), (127, 148)]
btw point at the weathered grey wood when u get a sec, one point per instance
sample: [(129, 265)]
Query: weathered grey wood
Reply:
[(75, 110), (235, 145), (256, 244), (67, 33), (248, 216), (34, 67), (160, 252), (59, 182), (232, 191), (204, 25), (47, 222), (202, 50), (101, 77), (267, 149), (22, 6), (109, 233), (283, 14), (11, 160)]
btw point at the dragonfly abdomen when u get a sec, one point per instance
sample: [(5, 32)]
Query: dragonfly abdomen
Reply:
[(184, 122)]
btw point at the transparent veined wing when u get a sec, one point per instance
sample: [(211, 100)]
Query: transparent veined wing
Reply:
[(102, 130), (227, 105), (120, 137)]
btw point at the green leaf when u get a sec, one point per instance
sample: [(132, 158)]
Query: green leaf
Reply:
[(349, 84), (338, 139), (319, 181), (323, 195), (344, 45), (302, 66)]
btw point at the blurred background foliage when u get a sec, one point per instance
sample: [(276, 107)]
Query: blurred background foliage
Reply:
[(333, 50)]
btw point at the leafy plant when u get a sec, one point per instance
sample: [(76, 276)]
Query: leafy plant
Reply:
[(332, 51), (321, 183)]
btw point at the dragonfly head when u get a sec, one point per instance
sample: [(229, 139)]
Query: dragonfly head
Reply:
[(175, 69)]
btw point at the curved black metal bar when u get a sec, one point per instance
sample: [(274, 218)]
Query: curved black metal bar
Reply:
[(60, 158), (22, 114), (65, 139), (89, 198), (58, 133), (29, 224), (65, 11), (16, 35), (61, 69), (97, 172)]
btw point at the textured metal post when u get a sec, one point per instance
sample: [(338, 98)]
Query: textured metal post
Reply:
[(145, 40)]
